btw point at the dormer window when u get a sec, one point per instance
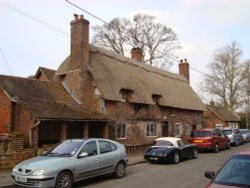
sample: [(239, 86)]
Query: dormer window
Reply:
[(156, 98), (124, 93)]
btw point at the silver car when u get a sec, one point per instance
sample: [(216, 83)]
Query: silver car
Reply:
[(71, 161), (234, 135), (246, 134)]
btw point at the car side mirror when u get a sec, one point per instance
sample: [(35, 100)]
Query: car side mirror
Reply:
[(82, 155), (209, 174)]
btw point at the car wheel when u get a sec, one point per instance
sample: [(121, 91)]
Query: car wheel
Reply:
[(64, 180), (195, 154), (176, 157), (120, 170), (216, 148)]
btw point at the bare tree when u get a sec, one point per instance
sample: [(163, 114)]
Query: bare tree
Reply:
[(226, 83), (157, 41)]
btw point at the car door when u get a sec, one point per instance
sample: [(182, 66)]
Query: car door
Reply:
[(108, 156), (220, 139), (88, 166), (185, 150)]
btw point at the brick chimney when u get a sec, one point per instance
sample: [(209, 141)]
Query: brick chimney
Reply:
[(184, 69), (136, 54), (74, 73), (79, 51)]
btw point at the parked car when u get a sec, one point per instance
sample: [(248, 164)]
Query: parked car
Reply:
[(71, 161), (234, 135), (209, 139), (234, 173), (246, 134), (170, 149)]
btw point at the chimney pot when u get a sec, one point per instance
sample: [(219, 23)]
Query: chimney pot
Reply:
[(136, 53), (76, 17), (81, 17), (184, 69)]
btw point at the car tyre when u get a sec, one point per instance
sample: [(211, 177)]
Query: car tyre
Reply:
[(64, 180), (228, 145), (176, 157), (120, 170), (195, 154), (216, 148)]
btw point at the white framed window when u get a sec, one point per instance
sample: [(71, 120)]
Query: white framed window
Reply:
[(177, 127), (121, 131), (187, 129), (102, 106), (123, 96), (151, 129), (218, 125)]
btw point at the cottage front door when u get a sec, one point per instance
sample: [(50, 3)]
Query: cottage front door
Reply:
[(164, 128)]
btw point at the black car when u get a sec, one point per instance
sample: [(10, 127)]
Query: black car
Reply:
[(170, 149)]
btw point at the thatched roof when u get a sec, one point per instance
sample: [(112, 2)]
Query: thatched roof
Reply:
[(113, 72), (45, 99)]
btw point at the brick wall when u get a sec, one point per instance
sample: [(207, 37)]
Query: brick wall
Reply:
[(23, 121), (12, 150), (210, 120), (5, 113)]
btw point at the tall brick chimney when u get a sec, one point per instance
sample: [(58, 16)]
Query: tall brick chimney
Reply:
[(184, 69), (74, 73), (136, 54), (79, 51)]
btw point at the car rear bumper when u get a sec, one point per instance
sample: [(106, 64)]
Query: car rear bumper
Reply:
[(204, 146)]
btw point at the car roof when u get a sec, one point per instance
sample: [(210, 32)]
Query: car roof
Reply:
[(170, 139)]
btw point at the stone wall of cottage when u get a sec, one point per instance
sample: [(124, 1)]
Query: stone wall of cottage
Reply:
[(5, 112)]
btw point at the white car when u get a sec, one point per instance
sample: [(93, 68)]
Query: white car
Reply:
[(71, 161)]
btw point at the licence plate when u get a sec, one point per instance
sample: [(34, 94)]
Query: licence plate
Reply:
[(154, 159), (198, 141), (21, 179)]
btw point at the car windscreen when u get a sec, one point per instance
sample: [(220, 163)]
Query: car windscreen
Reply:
[(236, 172), (68, 148), (200, 134)]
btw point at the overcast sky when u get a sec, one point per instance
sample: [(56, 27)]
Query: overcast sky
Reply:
[(36, 32)]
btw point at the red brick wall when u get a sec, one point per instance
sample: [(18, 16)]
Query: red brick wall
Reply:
[(210, 120), (5, 112), (23, 123)]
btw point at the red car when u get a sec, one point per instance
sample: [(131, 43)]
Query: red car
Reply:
[(234, 173), (209, 139)]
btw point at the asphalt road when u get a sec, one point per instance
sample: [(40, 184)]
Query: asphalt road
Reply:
[(186, 174)]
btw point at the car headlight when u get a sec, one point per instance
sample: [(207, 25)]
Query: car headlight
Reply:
[(38, 172), (14, 169)]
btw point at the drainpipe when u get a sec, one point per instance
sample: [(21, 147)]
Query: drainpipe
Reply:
[(30, 132)]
